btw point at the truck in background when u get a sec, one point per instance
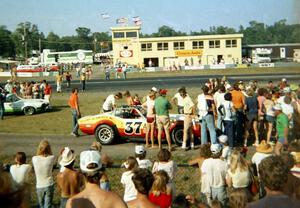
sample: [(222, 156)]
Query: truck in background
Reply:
[(261, 55)]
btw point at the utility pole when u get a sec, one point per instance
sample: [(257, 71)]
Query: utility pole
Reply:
[(95, 44), (40, 45), (25, 42)]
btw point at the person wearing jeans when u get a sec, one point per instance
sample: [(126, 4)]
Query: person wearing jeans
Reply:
[(74, 105), (207, 111), (43, 164)]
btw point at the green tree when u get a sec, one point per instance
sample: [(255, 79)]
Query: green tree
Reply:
[(52, 41), (7, 46)]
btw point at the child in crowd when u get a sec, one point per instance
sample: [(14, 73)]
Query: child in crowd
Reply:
[(165, 163), (107, 162), (130, 192), (226, 150), (140, 155), (213, 172), (20, 171), (160, 193)]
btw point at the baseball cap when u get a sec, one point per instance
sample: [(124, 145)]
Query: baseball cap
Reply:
[(215, 148), (67, 156), (163, 91), (139, 149), (277, 107), (90, 157), (154, 89), (223, 138), (283, 79)]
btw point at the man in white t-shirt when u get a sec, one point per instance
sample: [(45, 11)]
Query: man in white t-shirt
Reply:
[(213, 170), (219, 99), (177, 99), (189, 114), (20, 171), (110, 102)]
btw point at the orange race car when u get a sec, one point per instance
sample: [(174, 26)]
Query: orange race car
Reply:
[(129, 123)]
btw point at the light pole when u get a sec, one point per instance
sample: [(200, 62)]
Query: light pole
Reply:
[(24, 38)]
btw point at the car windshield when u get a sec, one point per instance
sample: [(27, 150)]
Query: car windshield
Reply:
[(12, 98)]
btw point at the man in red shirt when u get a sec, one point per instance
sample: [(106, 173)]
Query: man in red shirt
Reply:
[(74, 105), (47, 92)]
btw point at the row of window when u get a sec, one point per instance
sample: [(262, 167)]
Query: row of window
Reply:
[(195, 44), (122, 34)]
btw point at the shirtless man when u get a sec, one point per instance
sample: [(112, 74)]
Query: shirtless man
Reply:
[(68, 180), (143, 180), (92, 196)]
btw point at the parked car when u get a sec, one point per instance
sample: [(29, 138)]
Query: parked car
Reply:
[(15, 104), (129, 123)]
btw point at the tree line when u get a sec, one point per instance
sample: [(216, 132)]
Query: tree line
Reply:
[(27, 36)]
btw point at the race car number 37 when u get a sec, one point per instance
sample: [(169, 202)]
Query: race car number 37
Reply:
[(133, 127)]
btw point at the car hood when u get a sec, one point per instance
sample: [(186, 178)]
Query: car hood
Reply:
[(93, 118), (34, 101)]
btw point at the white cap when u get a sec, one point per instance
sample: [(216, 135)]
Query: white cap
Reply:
[(139, 149), (67, 157), (223, 138), (287, 90), (277, 107), (215, 148), (90, 157), (283, 79), (154, 89), (8, 80)]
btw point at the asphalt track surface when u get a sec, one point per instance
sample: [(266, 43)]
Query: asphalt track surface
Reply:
[(174, 82)]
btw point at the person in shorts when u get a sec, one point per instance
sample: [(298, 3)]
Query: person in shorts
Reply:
[(282, 128), (149, 104)]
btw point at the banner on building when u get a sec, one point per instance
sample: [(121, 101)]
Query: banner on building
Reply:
[(126, 53), (180, 53)]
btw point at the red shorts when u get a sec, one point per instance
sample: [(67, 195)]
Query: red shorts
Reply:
[(150, 119)]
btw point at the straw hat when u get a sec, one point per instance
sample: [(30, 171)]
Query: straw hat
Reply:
[(264, 147)]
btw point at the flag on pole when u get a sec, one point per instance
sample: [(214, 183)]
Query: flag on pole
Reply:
[(105, 16), (138, 23), (122, 20), (136, 19)]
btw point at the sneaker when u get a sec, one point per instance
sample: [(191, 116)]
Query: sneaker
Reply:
[(75, 135)]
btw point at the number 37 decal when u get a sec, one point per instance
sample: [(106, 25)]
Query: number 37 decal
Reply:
[(133, 127)]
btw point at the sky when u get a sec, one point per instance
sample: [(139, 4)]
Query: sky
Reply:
[(63, 16)]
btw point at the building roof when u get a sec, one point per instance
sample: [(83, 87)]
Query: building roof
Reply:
[(271, 45)]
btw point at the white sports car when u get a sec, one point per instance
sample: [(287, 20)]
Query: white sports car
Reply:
[(15, 104)]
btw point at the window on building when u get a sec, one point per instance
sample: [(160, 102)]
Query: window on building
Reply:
[(131, 34), (119, 35), (198, 44), (162, 46), (178, 45), (214, 44), (146, 46), (231, 43)]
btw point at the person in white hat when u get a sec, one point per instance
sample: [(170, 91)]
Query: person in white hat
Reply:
[(282, 128), (226, 150), (9, 86), (140, 156), (69, 180), (92, 195), (214, 170)]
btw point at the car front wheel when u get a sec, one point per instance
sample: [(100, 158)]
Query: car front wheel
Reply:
[(177, 135), (105, 134), (28, 110)]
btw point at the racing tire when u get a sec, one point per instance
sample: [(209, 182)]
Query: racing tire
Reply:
[(105, 134), (177, 135), (29, 110)]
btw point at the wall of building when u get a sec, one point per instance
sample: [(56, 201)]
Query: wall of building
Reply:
[(135, 51)]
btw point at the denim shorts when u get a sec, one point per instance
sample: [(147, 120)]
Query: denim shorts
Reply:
[(270, 119), (281, 140)]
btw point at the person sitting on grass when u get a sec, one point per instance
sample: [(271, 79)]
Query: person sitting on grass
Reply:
[(130, 191), (140, 155), (142, 179), (106, 162), (274, 175), (160, 193), (92, 196)]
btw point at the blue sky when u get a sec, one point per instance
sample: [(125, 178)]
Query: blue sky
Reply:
[(64, 16)]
